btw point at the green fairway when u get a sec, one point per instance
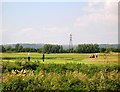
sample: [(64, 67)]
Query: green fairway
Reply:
[(62, 58)]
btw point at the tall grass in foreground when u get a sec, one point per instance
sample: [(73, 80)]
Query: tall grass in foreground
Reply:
[(34, 76)]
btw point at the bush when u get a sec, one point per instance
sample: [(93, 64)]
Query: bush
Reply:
[(69, 77)]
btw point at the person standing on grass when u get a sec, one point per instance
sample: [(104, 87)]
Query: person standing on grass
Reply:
[(28, 56), (43, 56), (96, 55), (105, 57)]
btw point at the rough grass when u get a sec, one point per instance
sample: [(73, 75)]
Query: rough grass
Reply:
[(65, 77), (66, 72)]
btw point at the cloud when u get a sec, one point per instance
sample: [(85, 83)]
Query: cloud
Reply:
[(104, 13), (99, 22), (44, 30), (35, 35), (25, 31), (56, 30), (103, 1)]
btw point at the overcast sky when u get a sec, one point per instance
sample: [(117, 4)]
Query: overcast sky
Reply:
[(53, 22)]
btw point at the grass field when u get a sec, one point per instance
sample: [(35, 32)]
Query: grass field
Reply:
[(61, 58), (113, 57), (68, 71)]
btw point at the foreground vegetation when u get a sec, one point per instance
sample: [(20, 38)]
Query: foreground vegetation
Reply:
[(67, 72)]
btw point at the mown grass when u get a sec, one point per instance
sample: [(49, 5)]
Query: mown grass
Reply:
[(61, 58)]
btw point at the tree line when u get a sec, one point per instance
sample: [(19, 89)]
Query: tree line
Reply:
[(49, 48)]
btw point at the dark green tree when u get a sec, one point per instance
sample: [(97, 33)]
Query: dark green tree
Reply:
[(18, 48), (87, 48), (8, 49), (3, 49)]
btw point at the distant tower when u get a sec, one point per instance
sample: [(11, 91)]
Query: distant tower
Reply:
[(70, 44)]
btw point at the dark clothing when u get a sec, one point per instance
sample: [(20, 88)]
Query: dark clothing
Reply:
[(43, 57), (28, 58)]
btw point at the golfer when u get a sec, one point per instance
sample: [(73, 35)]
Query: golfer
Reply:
[(43, 56), (29, 56)]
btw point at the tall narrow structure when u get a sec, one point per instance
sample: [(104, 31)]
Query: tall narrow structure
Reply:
[(70, 44)]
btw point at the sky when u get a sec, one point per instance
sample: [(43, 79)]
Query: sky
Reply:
[(52, 22)]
